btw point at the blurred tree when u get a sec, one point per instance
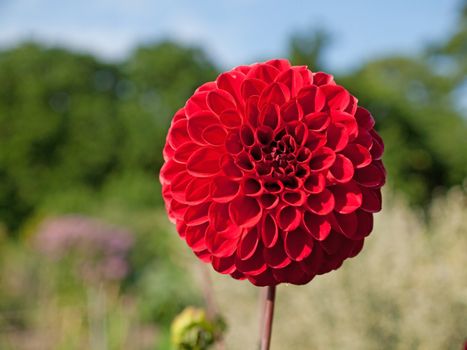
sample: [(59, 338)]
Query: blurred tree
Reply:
[(68, 121), (158, 80), (308, 48), (57, 125)]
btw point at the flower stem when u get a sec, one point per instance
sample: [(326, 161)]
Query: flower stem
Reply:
[(268, 317)]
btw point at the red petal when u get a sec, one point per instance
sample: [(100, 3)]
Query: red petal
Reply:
[(224, 189), (184, 152), (321, 159), (270, 115), (196, 103), (232, 82), (337, 97), (342, 170), (370, 176), (298, 244), (315, 183), (358, 155), (377, 148), (248, 244), (318, 226), (197, 191), (222, 244), (268, 200), (224, 265), (292, 79), (292, 273), (254, 265), (233, 143), (197, 214), (292, 111), (204, 255), (194, 236), (219, 101), (365, 223), (276, 256), (348, 197), (265, 278), (347, 224), (252, 87), (311, 99), (214, 135), (269, 231), (294, 198), (364, 118), (231, 118), (218, 216), (276, 93), (371, 201), (321, 78), (317, 121), (337, 137), (178, 134), (198, 122), (279, 63), (204, 162), (321, 203), (169, 170), (288, 218), (252, 187), (264, 72), (246, 135), (346, 120), (245, 211)]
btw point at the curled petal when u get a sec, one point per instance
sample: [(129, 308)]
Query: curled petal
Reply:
[(364, 118), (321, 203), (224, 265), (342, 169), (203, 162), (224, 189), (214, 135), (298, 244), (276, 256), (288, 218), (315, 183), (219, 101), (194, 236), (337, 137), (197, 214), (317, 121), (322, 159), (317, 226), (245, 211), (269, 231), (232, 82), (348, 197), (198, 123), (358, 155), (248, 244), (371, 201), (371, 175), (311, 99), (337, 97)]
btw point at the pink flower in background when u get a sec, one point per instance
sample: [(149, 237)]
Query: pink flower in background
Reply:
[(272, 173), (100, 249)]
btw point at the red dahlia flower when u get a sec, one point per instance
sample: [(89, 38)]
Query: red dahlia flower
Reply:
[(273, 173)]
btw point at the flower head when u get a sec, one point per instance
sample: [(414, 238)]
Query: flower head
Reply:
[(272, 173)]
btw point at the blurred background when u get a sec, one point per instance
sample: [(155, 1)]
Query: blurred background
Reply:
[(88, 259)]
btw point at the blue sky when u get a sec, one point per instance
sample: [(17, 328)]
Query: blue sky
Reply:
[(232, 31)]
